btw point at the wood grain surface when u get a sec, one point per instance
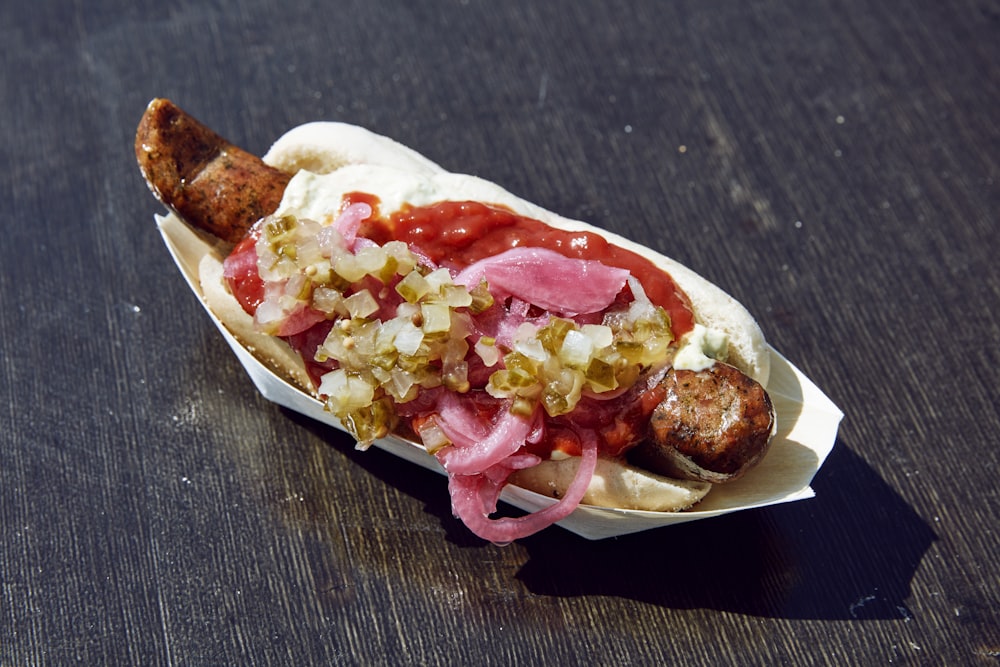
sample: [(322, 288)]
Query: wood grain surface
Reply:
[(834, 165)]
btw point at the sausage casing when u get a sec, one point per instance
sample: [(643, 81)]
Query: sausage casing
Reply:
[(207, 181)]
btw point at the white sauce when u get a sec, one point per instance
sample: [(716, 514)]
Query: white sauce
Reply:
[(319, 196), (700, 348)]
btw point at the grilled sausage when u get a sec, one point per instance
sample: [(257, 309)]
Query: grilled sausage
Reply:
[(206, 180), (712, 425)]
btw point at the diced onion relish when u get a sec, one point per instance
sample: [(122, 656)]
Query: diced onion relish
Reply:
[(436, 317), (372, 422), (432, 436), (487, 350), (576, 349), (361, 304), (400, 326), (413, 287), (554, 365), (482, 300), (346, 392)]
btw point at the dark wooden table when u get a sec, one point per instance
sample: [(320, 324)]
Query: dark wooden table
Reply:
[(832, 164)]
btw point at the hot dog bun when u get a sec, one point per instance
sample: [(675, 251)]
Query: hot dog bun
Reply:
[(332, 159), (615, 484)]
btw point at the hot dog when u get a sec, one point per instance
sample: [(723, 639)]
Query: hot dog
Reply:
[(510, 367)]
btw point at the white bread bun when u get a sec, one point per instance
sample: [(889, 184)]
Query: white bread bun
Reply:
[(324, 147), (332, 159), (614, 484)]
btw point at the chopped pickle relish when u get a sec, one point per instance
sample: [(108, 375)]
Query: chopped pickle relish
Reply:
[(398, 326)]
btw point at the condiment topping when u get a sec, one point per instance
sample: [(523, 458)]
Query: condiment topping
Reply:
[(477, 330)]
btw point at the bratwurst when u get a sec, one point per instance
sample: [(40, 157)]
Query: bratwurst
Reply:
[(713, 425), (207, 181)]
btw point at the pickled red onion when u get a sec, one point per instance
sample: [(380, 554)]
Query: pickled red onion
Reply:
[(474, 497), (477, 446), (546, 279), (350, 219)]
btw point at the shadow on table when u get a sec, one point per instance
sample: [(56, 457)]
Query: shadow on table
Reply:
[(850, 553)]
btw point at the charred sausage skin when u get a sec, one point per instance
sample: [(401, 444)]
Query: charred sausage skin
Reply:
[(712, 425), (206, 180)]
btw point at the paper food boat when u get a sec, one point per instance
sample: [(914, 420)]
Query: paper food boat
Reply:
[(807, 429)]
